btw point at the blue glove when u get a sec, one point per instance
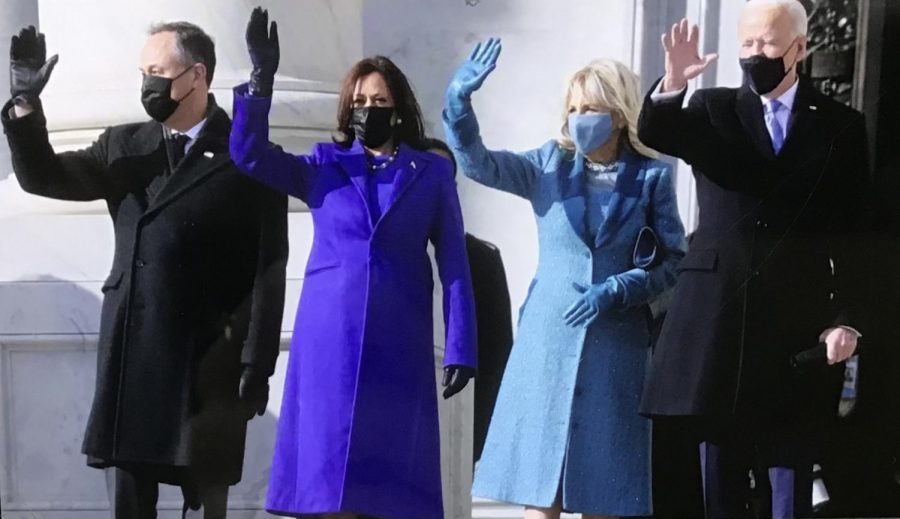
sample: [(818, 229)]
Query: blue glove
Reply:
[(262, 44), (595, 300), (471, 75)]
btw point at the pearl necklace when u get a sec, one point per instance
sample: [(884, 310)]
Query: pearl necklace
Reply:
[(375, 167), (600, 167)]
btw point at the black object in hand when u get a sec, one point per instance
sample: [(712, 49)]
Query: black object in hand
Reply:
[(29, 68), (262, 43), (807, 359), (455, 379)]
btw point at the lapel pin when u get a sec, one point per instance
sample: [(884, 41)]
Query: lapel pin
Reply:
[(813, 107), (208, 154), (413, 164)]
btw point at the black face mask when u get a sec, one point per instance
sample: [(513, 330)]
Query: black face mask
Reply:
[(763, 73), (156, 96), (373, 125)]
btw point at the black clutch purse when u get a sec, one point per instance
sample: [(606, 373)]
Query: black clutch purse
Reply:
[(648, 252)]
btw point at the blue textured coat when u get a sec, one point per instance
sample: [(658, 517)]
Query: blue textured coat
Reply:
[(567, 413)]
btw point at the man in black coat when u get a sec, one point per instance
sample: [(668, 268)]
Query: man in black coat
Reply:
[(774, 267), (192, 308)]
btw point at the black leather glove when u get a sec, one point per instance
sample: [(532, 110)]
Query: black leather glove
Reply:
[(254, 390), (29, 68), (455, 379), (262, 43)]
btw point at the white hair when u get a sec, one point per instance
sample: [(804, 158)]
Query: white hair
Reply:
[(799, 22)]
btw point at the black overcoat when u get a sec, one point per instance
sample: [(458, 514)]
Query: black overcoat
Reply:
[(777, 258), (196, 290), (493, 313)]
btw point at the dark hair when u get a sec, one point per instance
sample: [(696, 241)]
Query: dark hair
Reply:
[(410, 130), (432, 145), (193, 45)]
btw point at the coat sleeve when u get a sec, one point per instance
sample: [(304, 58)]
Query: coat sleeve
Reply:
[(514, 173), (852, 232), (76, 175), (267, 305), (639, 286), (688, 133), (257, 157), (452, 261)]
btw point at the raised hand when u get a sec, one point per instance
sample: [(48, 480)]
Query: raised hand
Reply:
[(29, 68), (683, 60), (262, 44), (455, 379), (471, 74)]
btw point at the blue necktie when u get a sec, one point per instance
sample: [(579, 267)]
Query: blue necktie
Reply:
[(777, 129)]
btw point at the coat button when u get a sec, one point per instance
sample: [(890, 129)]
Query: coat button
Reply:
[(139, 263), (578, 391), (575, 426), (587, 254), (762, 225)]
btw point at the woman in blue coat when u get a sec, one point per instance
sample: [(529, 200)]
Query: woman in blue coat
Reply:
[(358, 431), (566, 434)]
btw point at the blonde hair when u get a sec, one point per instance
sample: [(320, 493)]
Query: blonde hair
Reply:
[(611, 84)]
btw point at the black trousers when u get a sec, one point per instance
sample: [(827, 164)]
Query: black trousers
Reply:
[(133, 494)]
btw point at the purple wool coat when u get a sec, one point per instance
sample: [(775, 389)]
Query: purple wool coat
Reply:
[(358, 430)]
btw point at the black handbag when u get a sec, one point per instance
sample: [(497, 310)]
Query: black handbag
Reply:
[(648, 252)]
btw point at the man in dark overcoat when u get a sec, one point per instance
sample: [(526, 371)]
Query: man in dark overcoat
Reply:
[(192, 308), (775, 265)]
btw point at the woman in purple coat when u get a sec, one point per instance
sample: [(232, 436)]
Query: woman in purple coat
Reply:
[(358, 430)]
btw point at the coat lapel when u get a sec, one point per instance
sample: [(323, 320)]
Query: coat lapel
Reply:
[(804, 115), (625, 196), (409, 166), (750, 112), (208, 155), (572, 197), (352, 162)]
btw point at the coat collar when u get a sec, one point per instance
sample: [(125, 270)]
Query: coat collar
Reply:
[(751, 114), (625, 196), (410, 164), (804, 117), (208, 155)]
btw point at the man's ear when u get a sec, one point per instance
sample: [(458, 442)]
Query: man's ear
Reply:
[(200, 72), (801, 52)]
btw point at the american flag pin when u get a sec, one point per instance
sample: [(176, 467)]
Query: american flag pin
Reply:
[(813, 107), (208, 154)]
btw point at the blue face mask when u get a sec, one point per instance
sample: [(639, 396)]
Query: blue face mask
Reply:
[(589, 131)]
